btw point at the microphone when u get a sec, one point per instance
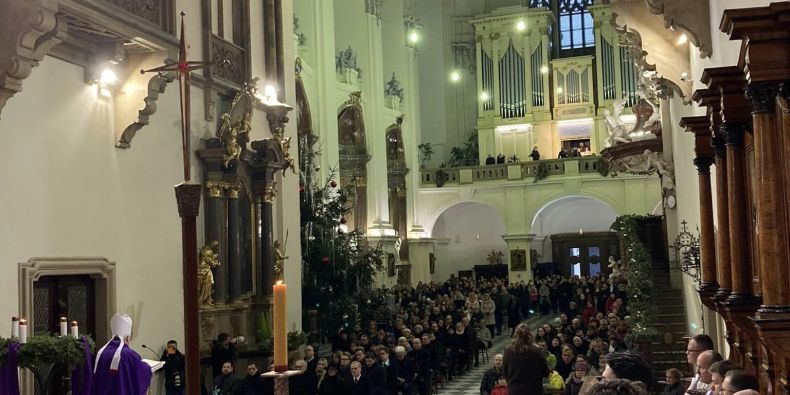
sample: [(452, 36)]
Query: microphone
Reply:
[(151, 350)]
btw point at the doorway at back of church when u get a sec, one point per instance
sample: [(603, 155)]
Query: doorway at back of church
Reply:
[(72, 297)]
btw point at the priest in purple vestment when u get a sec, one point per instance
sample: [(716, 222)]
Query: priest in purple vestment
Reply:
[(119, 370)]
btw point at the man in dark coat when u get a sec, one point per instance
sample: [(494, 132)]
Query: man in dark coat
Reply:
[(491, 376), (174, 369), (302, 383), (376, 375), (359, 383), (391, 366), (253, 383)]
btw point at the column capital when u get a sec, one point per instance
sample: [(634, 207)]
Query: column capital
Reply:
[(719, 146), (733, 132), (700, 127), (703, 164), (762, 96)]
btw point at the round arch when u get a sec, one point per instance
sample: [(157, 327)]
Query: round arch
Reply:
[(471, 231), (437, 212), (572, 206)]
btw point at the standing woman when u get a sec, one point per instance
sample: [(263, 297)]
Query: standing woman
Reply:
[(523, 364)]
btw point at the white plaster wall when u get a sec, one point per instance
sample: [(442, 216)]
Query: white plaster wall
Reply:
[(69, 192), (473, 230), (568, 215)]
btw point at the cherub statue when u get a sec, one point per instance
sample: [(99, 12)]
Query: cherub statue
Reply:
[(229, 134), (208, 259), (279, 260), (617, 131)]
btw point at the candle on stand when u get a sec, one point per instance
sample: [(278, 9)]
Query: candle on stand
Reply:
[(75, 330), (22, 331), (280, 334), (64, 323), (14, 327)]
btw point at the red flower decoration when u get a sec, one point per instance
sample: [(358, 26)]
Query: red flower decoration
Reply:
[(325, 260), (301, 188), (343, 220), (333, 184)]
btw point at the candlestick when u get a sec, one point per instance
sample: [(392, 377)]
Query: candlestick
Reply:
[(14, 327), (22, 331), (64, 323), (280, 333), (75, 330)]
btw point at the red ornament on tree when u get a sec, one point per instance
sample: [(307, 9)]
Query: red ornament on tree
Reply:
[(301, 188), (325, 260), (343, 220), (333, 184)]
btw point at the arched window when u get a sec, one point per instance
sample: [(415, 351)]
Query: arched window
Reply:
[(575, 25)]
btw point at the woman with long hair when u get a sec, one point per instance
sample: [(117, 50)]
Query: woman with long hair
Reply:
[(523, 364)]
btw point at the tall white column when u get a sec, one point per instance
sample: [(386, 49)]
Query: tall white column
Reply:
[(325, 114), (412, 137), (378, 200)]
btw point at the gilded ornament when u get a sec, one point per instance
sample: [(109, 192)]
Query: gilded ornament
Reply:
[(214, 189), (233, 191), (279, 259), (269, 193), (208, 259)]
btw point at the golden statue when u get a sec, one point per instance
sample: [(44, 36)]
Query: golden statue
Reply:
[(279, 260), (208, 260), (285, 145)]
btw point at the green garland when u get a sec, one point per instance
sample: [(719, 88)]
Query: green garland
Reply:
[(637, 271), (47, 349)]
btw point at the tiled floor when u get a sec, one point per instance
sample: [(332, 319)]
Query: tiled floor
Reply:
[(469, 383)]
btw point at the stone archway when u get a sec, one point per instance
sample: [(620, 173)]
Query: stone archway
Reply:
[(471, 230), (581, 219)]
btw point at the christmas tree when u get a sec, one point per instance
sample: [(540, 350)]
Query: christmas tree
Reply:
[(338, 266)]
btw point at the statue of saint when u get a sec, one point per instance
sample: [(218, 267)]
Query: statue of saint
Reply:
[(279, 260), (208, 259)]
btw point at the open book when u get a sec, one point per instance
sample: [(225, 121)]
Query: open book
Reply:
[(155, 365)]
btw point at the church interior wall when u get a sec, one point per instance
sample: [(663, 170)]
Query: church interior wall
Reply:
[(473, 230), (69, 192)]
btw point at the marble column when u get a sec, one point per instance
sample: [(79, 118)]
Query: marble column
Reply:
[(234, 245), (379, 223), (700, 127), (265, 264), (216, 218)]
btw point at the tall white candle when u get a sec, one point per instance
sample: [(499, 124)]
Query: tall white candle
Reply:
[(22, 331), (64, 324), (75, 330), (14, 327)]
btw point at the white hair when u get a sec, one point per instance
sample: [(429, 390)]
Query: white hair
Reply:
[(400, 350)]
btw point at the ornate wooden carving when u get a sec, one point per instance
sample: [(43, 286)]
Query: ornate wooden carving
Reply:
[(29, 30), (158, 12)]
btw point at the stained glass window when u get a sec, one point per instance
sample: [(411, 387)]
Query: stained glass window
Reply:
[(576, 24)]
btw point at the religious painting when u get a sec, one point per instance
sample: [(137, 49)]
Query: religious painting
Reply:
[(391, 264), (404, 274), (518, 260), (432, 262)]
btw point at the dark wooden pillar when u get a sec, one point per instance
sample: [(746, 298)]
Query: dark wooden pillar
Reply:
[(700, 127), (730, 83), (216, 218), (712, 101), (234, 245), (765, 60)]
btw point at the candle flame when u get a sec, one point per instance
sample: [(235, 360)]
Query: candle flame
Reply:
[(279, 282)]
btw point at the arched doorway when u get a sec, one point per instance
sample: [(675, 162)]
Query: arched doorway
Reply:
[(353, 160), (396, 183), (472, 230), (572, 237)]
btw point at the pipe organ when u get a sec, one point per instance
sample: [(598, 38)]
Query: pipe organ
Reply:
[(521, 89)]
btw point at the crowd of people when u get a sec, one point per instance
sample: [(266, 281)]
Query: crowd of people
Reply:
[(436, 333)]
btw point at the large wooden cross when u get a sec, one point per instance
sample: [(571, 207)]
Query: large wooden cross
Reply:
[(188, 199)]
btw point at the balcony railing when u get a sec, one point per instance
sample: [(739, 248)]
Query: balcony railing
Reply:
[(517, 171)]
